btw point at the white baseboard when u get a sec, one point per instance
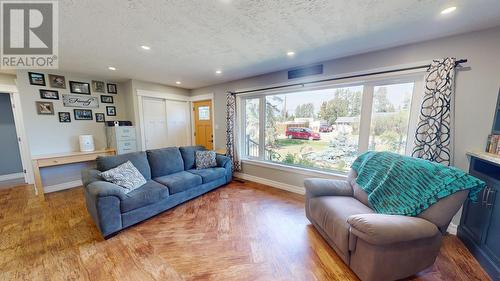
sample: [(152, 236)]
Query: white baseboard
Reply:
[(275, 184), (62, 186), (11, 176), (452, 229)]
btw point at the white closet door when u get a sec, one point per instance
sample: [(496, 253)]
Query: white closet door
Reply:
[(178, 124), (155, 123)]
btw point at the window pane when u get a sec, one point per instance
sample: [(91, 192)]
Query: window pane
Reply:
[(390, 115), (203, 113), (317, 129), (251, 144)]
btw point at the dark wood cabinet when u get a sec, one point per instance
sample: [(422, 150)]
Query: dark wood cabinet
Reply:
[(479, 225)]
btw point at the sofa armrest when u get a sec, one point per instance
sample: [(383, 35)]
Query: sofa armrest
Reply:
[(90, 175), (379, 229), (104, 188), (226, 163), (222, 160), (103, 200), (316, 187)]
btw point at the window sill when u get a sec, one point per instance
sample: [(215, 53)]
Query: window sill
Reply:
[(292, 169)]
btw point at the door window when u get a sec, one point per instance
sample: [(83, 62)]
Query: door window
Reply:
[(203, 113)]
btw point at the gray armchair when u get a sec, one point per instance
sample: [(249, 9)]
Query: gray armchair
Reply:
[(376, 246)]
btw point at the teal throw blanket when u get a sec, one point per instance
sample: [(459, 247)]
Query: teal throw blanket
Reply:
[(402, 185)]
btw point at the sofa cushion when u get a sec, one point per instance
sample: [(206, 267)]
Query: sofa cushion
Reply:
[(210, 174), (189, 155), (149, 193), (165, 161), (330, 213), (180, 181), (126, 175), (138, 159)]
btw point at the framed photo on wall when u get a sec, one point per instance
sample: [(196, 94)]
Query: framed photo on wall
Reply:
[(64, 117), (81, 88), (57, 81), (99, 118), (49, 94), (98, 86), (107, 99), (37, 79), (83, 114), (112, 89), (110, 110), (44, 108)]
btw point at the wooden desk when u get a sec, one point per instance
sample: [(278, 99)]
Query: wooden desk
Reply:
[(41, 161), (221, 151)]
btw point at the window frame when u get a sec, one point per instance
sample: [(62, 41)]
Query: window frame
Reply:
[(368, 84)]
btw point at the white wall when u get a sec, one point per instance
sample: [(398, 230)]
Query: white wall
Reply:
[(46, 135), (476, 88)]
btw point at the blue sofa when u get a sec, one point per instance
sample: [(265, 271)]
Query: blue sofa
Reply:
[(171, 176)]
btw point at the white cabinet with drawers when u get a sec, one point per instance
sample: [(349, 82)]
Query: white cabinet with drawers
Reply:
[(122, 139)]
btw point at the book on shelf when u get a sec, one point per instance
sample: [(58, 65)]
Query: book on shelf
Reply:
[(493, 144)]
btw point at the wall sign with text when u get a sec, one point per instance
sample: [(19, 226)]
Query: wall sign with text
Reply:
[(80, 101)]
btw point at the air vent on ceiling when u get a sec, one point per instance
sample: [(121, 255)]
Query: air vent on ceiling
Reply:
[(305, 71)]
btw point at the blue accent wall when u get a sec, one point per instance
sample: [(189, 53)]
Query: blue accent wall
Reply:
[(10, 161)]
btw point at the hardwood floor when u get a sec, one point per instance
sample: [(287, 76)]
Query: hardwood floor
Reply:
[(238, 232)]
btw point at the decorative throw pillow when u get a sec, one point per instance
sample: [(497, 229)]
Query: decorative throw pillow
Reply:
[(126, 175), (205, 159)]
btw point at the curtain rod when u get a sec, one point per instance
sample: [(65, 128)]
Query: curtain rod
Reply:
[(457, 62)]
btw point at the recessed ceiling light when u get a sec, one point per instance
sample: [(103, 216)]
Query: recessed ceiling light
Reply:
[(111, 68), (144, 47), (218, 71), (178, 82), (290, 53), (448, 10)]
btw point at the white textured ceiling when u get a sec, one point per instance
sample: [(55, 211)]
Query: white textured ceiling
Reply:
[(190, 39)]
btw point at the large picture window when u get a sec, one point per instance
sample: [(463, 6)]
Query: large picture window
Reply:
[(327, 128)]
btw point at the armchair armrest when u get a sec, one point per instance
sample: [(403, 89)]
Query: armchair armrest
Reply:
[(379, 229), (316, 187)]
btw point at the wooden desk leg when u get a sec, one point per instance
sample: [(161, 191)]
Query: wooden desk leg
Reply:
[(38, 179)]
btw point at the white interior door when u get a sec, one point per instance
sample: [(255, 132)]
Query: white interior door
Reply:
[(178, 125), (155, 123)]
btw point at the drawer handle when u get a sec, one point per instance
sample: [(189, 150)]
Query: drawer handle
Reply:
[(488, 204), (483, 199)]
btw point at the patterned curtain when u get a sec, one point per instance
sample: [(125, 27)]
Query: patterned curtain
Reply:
[(231, 146), (433, 137)]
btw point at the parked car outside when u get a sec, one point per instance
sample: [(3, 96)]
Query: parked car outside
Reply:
[(302, 133)]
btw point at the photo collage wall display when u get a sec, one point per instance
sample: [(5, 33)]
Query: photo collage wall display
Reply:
[(79, 97)]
